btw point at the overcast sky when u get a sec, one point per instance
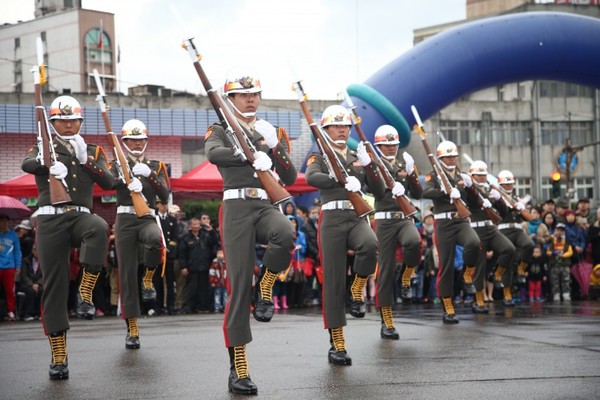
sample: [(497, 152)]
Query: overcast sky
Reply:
[(329, 44)]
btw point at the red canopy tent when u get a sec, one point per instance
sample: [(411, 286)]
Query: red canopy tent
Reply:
[(205, 182), (24, 186)]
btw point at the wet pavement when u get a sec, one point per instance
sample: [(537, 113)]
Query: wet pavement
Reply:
[(537, 351)]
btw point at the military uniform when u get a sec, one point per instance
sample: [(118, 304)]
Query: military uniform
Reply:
[(60, 228), (131, 230), (247, 217), (491, 239), (341, 229), (393, 228), (450, 230), (510, 226)]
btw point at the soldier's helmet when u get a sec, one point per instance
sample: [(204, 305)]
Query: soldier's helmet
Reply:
[(335, 115), (242, 80), (134, 129), (446, 149), (505, 177), (386, 134), (65, 107), (478, 168)]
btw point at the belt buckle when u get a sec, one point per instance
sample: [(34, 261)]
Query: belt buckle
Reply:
[(67, 209), (251, 192)]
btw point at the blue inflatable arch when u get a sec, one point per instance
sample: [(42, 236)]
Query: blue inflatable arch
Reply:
[(478, 55)]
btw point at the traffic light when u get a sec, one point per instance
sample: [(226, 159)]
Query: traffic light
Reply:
[(555, 181)]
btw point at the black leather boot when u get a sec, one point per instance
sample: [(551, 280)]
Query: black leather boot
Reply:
[(239, 379), (405, 289), (358, 309), (85, 306), (132, 340), (449, 314), (468, 285), (148, 291), (59, 367), (388, 331), (264, 308), (337, 353)]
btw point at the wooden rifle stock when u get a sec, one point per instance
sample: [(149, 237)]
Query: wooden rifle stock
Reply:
[(139, 201), (403, 201), (460, 205), (526, 215), (58, 189), (277, 193), (360, 205), (476, 191)]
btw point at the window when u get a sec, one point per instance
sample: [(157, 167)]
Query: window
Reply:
[(461, 132), (17, 43), (43, 36), (564, 89), (522, 187), (556, 132)]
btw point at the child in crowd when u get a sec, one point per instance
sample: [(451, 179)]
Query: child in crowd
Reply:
[(536, 273), (559, 255), (218, 280)]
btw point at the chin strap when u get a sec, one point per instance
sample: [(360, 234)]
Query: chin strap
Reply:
[(246, 114)]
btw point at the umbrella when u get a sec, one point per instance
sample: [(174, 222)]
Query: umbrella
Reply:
[(581, 272), (13, 208)]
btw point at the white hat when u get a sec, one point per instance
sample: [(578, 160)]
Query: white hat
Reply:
[(25, 224)]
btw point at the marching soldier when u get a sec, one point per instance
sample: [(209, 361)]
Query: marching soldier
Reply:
[(150, 179), (341, 229), (510, 226), (451, 229), (487, 231), (61, 227), (393, 227), (247, 217)]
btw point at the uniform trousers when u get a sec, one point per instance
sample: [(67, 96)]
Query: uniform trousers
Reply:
[(504, 252), (391, 232), (449, 233), (524, 244), (130, 231), (340, 230), (245, 222), (56, 235)]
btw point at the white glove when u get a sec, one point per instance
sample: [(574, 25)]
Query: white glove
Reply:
[(363, 156), (262, 162), (525, 199), (519, 206), (494, 194), (353, 184), (455, 193), (410, 163), (467, 179), (398, 189), (486, 203), (80, 148), (141, 169), (135, 185), (267, 131), (59, 170)]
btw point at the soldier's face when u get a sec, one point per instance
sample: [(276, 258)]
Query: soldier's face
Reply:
[(67, 127), (135, 144), (338, 133), (389, 150), (479, 179), (246, 102)]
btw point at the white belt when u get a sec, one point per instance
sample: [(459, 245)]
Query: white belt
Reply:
[(508, 225), (479, 224), (51, 210), (446, 215), (338, 205), (245, 193), (129, 210), (389, 215)]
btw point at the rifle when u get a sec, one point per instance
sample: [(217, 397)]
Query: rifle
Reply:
[(334, 165), (460, 205), (139, 201), (403, 201), (46, 156), (526, 215), (242, 145)]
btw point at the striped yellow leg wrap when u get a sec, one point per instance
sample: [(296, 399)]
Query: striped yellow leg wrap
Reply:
[(448, 306), (507, 294), (266, 285), (479, 298), (386, 316), (337, 335), (58, 346), (522, 267), (240, 363), (499, 273), (147, 280), (408, 272), (132, 327), (88, 282), (468, 275), (357, 287)]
